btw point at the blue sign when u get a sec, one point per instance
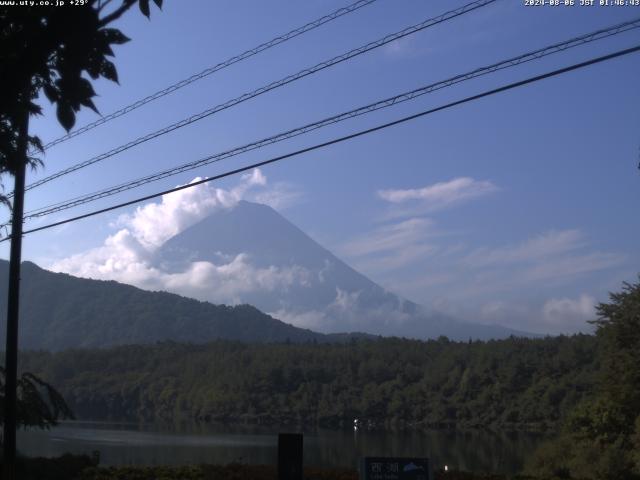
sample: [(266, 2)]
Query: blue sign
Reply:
[(395, 468)]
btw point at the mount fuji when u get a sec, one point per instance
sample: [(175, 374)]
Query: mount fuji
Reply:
[(309, 286)]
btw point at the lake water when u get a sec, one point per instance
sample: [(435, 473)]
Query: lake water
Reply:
[(128, 444)]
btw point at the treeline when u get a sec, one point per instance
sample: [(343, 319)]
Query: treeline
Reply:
[(523, 384), (600, 438)]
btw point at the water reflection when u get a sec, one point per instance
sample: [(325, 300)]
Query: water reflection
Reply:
[(129, 444)]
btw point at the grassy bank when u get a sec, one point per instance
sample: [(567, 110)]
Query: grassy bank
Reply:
[(256, 472)]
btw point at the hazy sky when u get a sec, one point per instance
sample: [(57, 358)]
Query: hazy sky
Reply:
[(519, 209)]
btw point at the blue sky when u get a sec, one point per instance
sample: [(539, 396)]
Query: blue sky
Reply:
[(518, 209)]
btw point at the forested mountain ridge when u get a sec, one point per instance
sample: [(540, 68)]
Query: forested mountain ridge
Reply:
[(507, 384), (59, 311)]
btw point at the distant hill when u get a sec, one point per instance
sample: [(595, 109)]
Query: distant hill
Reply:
[(328, 296), (59, 311)]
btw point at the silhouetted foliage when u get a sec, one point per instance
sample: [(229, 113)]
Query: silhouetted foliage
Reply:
[(601, 436), (39, 404), (50, 50)]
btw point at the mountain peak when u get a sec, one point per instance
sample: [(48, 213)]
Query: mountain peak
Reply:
[(290, 276), (247, 228)]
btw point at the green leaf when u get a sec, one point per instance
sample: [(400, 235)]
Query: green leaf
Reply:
[(108, 71), (35, 109), (66, 116), (144, 8), (107, 50), (87, 102), (51, 92), (36, 143), (93, 65), (85, 89), (113, 35)]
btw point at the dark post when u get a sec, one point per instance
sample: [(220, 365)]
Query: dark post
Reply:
[(290, 456), (11, 352)]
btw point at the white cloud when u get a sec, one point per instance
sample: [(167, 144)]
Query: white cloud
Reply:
[(154, 223), (539, 247), (396, 259), (400, 47), (346, 313), (389, 237), (312, 319), (441, 195), (551, 257), (280, 196), (567, 312), (394, 246), (233, 279), (563, 268), (406, 47), (391, 246), (490, 282), (555, 315), (126, 255), (551, 316), (346, 301)]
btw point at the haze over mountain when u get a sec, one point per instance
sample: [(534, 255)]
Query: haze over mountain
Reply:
[(59, 311), (300, 281)]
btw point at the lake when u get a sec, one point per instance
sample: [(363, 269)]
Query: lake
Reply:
[(132, 444)]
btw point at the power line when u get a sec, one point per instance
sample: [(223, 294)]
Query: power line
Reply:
[(360, 133), (264, 89), (381, 104), (216, 68)]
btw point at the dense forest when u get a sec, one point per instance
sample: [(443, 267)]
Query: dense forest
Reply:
[(585, 388), (508, 384)]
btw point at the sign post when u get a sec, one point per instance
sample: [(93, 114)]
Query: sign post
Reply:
[(290, 456), (395, 468)]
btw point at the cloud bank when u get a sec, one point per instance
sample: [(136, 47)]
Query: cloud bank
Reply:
[(519, 284), (569, 312), (126, 256)]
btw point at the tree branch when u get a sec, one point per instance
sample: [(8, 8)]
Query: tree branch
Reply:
[(126, 5), (103, 5)]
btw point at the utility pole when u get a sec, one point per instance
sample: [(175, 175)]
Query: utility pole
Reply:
[(11, 351)]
